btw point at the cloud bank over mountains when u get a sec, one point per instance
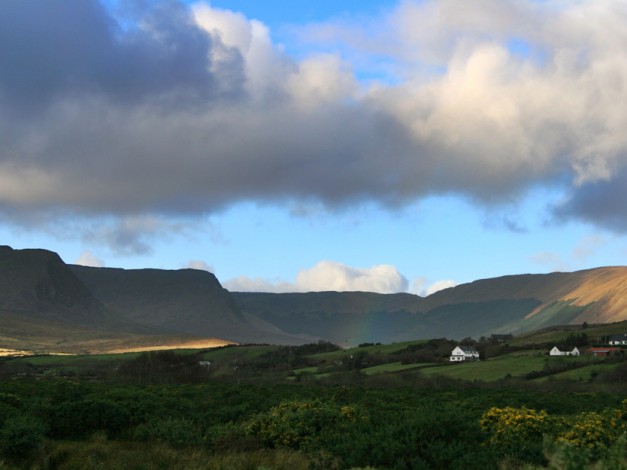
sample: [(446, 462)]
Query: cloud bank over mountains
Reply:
[(186, 110), (329, 276)]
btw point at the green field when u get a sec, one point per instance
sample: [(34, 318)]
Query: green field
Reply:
[(490, 370), (581, 374), (237, 353), (392, 367), (69, 360), (382, 349)]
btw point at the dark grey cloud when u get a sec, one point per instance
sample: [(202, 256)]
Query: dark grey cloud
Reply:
[(602, 203), (54, 48), (152, 113)]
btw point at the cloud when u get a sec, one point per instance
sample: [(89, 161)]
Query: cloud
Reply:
[(549, 259), (87, 258), (419, 286), (333, 276), (69, 47), (169, 111), (199, 264), (588, 246), (247, 284), (598, 202), (440, 285), (329, 276), (131, 235)]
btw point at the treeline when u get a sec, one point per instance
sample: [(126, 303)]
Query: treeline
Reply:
[(63, 424)]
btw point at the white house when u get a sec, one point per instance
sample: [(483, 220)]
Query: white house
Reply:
[(464, 353), (618, 340), (556, 352)]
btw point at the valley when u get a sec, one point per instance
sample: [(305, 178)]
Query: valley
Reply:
[(47, 305), (166, 369)]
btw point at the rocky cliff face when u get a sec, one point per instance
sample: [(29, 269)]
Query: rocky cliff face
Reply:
[(39, 285), (184, 301)]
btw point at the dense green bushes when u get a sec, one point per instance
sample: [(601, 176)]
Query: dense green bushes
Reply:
[(21, 436), (79, 419), (61, 424)]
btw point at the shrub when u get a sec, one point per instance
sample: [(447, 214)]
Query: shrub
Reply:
[(7, 411), (590, 430), (517, 433), (84, 417), (178, 432), (21, 436), (298, 424)]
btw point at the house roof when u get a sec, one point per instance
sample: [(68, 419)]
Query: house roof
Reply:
[(468, 349), (622, 337), (603, 349)]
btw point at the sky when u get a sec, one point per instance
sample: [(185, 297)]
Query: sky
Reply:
[(303, 146)]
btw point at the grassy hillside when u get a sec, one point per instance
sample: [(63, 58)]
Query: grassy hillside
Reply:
[(344, 323), (508, 304), (556, 334)]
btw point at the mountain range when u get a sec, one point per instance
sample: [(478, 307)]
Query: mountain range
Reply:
[(48, 305)]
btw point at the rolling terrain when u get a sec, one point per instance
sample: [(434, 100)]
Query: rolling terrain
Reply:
[(46, 304), (508, 304)]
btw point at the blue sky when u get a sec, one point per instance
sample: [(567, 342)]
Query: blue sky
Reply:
[(359, 145)]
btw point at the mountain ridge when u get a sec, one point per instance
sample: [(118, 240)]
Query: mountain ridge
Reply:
[(47, 303), (505, 304), (185, 301)]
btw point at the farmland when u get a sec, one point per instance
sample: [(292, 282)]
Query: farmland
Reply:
[(316, 406)]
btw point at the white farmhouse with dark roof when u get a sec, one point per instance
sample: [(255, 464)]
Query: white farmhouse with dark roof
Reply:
[(618, 340), (464, 353)]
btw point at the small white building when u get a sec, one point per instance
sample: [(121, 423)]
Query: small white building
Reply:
[(556, 352), (464, 353)]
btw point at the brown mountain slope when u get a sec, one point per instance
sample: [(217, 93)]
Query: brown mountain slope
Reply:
[(606, 288), (600, 292)]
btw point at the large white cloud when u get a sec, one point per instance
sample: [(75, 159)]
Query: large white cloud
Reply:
[(334, 276), (183, 111), (329, 276)]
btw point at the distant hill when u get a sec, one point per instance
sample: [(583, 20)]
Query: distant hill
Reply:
[(185, 301), (350, 318), (508, 304), (38, 284), (46, 304)]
